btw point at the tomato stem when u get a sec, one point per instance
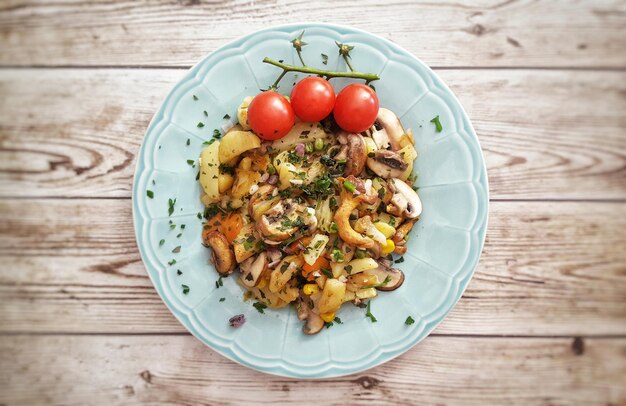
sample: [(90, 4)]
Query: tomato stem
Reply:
[(300, 56), (328, 74), (345, 58)]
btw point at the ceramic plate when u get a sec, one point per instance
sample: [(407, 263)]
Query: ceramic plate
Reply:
[(444, 247)]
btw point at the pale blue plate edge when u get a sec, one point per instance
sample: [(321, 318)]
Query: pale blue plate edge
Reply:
[(333, 371)]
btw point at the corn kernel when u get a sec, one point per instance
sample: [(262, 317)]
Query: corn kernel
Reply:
[(388, 247), (310, 289), (385, 228), (328, 317), (262, 283)]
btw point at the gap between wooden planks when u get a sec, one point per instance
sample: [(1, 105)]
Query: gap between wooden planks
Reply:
[(164, 33), (545, 134), (180, 369), (552, 269)]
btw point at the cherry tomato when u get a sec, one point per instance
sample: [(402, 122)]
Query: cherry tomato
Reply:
[(270, 115), (356, 108), (312, 99)]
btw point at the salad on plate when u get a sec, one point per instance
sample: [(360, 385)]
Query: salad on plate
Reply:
[(307, 196)]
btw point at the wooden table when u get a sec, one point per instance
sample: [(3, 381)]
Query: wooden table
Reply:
[(542, 322)]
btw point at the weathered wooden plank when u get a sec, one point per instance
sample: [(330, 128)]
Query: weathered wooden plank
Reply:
[(545, 134), (440, 370), (450, 33), (547, 269)]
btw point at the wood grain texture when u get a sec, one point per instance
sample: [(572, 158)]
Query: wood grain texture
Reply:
[(545, 134), (449, 33), (441, 370), (547, 269)]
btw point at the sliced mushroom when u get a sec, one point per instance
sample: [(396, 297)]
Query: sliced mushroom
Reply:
[(314, 322), (380, 137), (405, 201), (387, 164), (356, 156), (252, 268), (392, 126), (262, 200), (222, 256), (388, 278), (286, 219)]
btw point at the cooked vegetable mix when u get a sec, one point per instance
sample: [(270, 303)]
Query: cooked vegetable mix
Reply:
[(308, 197)]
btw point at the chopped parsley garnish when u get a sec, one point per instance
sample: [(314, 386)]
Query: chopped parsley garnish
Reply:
[(324, 59), (319, 188), (172, 226), (172, 262), (399, 260), (150, 194), (195, 97), (216, 134), (409, 320), (176, 250), (209, 142), (385, 282), (226, 117), (182, 226), (348, 268), (349, 186), (327, 272), (437, 123), (171, 203), (227, 169), (191, 163), (222, 299), (161, 242), (179, 235), (359, 254), (333, 228), (335, 320), (185, 289), (259, 307), (179, 272), (293, 158), (369, 312), (219, 283), (205, 113), (333, 203), (337, 255), (188, 141), (200, 124), (200, 216)]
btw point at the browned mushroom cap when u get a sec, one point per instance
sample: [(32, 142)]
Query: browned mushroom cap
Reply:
[(388, 278), (222, 255), (387, 164), (252, 268), (314, 322), (357, 155)]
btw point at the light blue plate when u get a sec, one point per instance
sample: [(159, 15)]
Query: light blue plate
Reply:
[(444, 247)]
